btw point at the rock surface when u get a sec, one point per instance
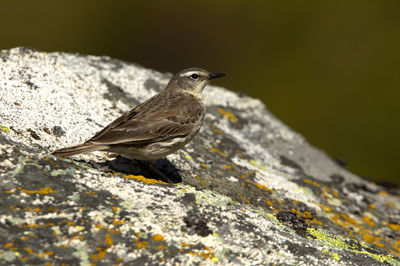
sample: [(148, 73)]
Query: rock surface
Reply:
[(252, 191)]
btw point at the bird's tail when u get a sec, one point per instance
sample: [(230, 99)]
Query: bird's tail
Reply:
[(81, 148)]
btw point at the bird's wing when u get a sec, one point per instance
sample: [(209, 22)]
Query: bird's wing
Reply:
[(162, 117)]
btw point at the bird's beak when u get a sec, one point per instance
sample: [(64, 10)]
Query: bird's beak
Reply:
[(216, 75)]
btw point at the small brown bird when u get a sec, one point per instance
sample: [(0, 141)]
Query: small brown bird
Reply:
[(157, 127)]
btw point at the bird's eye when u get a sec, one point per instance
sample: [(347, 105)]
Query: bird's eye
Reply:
[(194, 76)]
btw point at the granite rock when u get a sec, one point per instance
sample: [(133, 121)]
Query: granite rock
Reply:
[(250, 190)]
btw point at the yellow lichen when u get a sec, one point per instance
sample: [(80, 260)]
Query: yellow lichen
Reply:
[(4, 129), (337, 242)]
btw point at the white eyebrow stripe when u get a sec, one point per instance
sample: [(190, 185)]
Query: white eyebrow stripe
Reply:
[(187, 74)]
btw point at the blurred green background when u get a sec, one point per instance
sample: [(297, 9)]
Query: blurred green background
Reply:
[(328, 69)]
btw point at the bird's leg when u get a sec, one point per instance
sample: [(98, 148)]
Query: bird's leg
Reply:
[(154, 170)]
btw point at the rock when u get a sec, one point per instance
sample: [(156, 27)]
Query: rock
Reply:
[(253, 191)]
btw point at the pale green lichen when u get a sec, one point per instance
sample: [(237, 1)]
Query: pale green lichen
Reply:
[(67, 171), (338, 242), (333, 255), (4, 129), (259, 166), (9, 256), (206, 196), (80, 228), (328, 240), (81, 253)]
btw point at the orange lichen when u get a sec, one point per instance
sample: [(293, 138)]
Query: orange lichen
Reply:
[(31, 225), (144, 179), (394, 226), (311, 182), (69, 222), (368, 238), (98, 226), (118, 222), (76, 237), (102, 253), (349, 219), (158, 237), (307, 215), (8, 245), (326, 189), (46, 190), (218, 151), (142, 244), (219, 131), (183, 244), (108, 240), (204, 166), (316, 221), (114, 231), (228, 166), (368, 220), (326, 208), (270, 203), (40, 255), (228, 115), (202, 254), (264, 187), (383, 193)]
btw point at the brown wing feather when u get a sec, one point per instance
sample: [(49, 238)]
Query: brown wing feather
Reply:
[(164, 116)]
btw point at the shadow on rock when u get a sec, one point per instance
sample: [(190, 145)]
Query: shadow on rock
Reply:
[(161, 170)]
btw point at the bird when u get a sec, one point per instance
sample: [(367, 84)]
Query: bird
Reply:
[(157, 127)]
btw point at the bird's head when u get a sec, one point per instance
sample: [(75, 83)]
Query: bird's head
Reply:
[(193, 80)]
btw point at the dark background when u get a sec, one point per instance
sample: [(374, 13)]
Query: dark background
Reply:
[(328, 69)]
